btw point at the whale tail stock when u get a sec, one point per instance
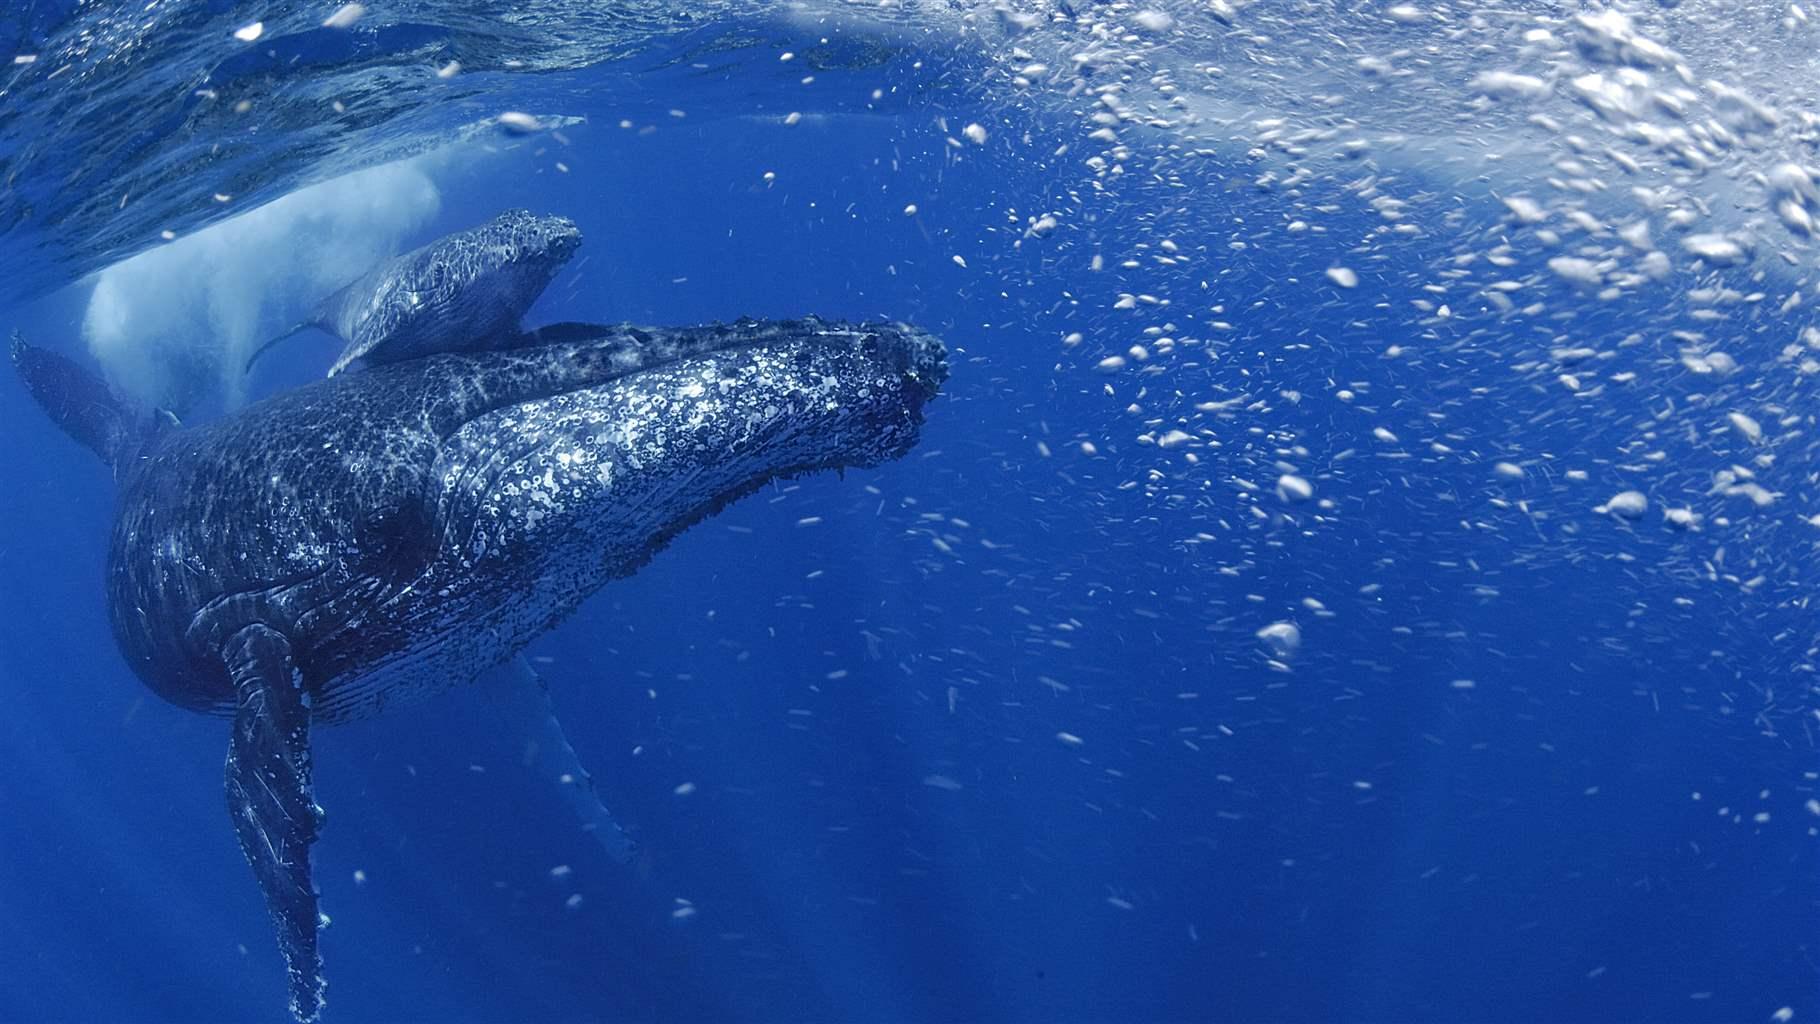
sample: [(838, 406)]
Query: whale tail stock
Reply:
[(83, 405)]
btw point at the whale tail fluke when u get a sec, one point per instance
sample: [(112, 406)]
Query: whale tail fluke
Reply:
[(82, 404)]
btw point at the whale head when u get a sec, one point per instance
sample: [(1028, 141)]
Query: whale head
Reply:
[(521, 238)]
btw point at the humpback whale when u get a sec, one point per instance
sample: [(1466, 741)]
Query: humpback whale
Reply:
[(368, 539), (462, 292)]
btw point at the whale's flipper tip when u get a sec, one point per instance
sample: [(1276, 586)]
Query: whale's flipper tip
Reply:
[(272, 801)]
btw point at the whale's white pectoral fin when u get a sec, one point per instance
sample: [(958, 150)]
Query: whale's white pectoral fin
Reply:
[(271, 801), (550, 753)]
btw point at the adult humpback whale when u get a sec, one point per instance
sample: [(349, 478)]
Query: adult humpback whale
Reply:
[(373, 537)]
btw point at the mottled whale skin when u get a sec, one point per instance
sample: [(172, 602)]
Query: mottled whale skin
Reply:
[(463, 292), (371, 538)]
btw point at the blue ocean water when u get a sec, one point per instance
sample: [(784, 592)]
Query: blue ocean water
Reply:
[(1257, 315)]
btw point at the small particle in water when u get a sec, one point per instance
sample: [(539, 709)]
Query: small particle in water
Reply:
[(1508, 471), (1747, 427), (1153, 21), (248, 33), (809, 521), (25, 58), (1069, 738), (449, 70), (1293, 488), (360, 877), (682, 913), (1345, 277), (560, 871), (344, 16), (1120, 903), (910, 210), (1110, 364), (1576, 270), (975, 133), (1282, 639), (1624, 504), (1784, 1015), (518, 122), (960, 262), (1682, 518), (785, 56), (573, 902), (793, 117), (1524, 210), (1508, 85), (941, 782), (685, 789), (1088, 449), (1716, 249)]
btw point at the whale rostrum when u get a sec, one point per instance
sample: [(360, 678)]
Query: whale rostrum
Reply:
[(368, 539)]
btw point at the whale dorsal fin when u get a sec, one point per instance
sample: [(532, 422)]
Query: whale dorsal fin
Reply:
[(272, 799), (82, 404)]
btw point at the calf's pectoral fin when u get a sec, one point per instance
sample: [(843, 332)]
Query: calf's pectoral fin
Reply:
[(271, 800), (268, 345)]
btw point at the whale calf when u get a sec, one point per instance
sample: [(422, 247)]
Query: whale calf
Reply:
[(465, 291), (368, 539)]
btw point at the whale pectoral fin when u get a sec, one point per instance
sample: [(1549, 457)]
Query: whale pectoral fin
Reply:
[(271, 343), (548, 749), (271, 800)]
